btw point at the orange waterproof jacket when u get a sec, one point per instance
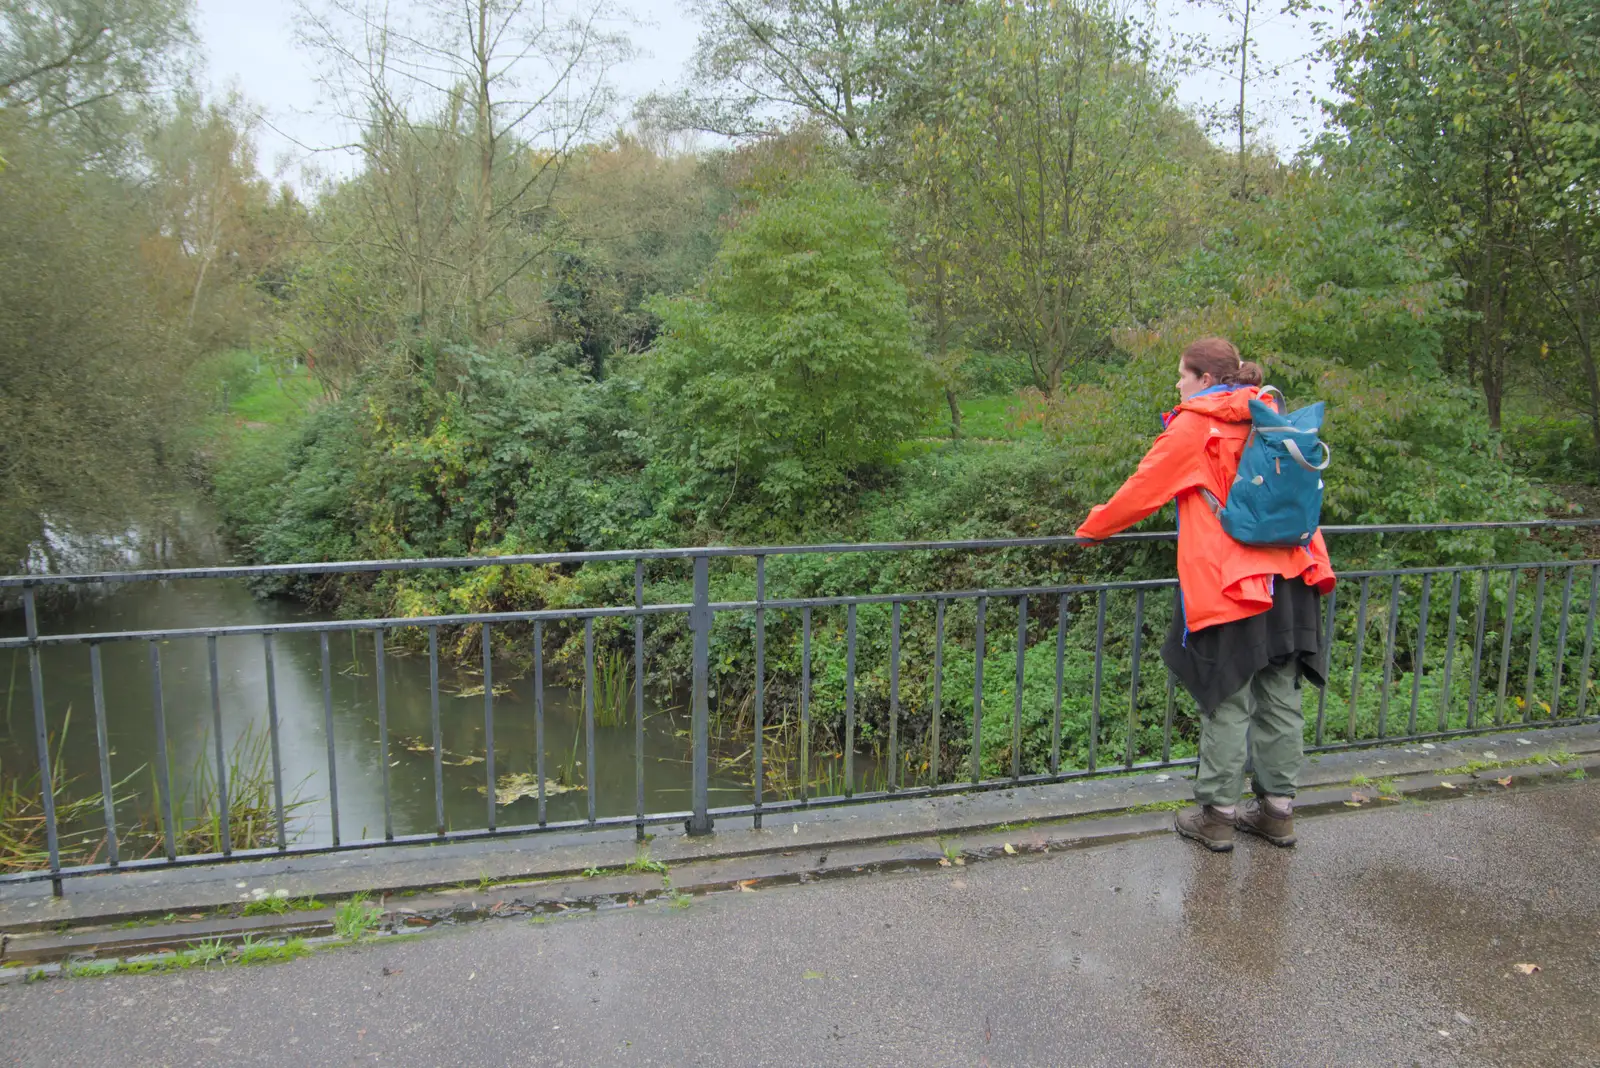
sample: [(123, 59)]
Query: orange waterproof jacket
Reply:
[(1221, 579)]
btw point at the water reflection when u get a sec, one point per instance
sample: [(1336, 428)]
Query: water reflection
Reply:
[(242, 678)]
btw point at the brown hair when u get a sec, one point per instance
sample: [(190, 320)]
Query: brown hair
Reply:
[(1216, 356)]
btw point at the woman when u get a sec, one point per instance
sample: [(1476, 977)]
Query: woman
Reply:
[(1250, 627)]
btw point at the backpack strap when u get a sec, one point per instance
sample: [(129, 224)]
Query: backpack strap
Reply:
[(1263, 391), (1299, 457)]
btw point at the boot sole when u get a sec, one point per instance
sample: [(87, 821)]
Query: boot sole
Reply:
[(1210, 843), (1282, 841)]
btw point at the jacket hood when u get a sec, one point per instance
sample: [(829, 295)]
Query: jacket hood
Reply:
[(1232, 406)]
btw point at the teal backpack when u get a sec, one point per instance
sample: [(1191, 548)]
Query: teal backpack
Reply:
[(1276, 498)]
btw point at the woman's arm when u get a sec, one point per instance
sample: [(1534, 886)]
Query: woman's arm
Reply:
[(1175, 462)]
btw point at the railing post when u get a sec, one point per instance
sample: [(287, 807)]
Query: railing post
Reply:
[(47, 786), (700, 728)]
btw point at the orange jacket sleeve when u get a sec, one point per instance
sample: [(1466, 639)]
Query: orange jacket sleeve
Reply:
[(1175, 462)]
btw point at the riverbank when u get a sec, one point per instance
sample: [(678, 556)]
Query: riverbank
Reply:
[(135, 913)]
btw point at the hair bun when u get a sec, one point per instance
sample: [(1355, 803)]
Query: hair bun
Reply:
[(1249, 374)]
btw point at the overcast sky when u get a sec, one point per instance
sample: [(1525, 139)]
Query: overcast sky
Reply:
[(250, 44)]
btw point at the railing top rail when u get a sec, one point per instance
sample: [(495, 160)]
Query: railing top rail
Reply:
[(689, 553)]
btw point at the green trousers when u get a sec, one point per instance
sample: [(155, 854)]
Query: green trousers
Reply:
[(1264, 716)]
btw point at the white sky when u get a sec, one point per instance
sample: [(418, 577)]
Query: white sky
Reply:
[(249, 44)]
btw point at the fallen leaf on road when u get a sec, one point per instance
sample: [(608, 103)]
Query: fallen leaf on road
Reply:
[(1448, 785), (747, 886), (813, 975), (1010, 848), (1527, 969), (1353, 804), (1505, 781), (943, 862)]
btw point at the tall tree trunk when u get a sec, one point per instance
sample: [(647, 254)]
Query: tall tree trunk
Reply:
[(478, 268), (1244, 77), (941, 344), (1582, 322)]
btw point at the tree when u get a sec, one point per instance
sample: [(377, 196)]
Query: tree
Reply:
[(208, 201), (794, 370), (91, 387), (1072, 170), (1481, 115), (81, 67), (469, 113), (759, 62), (92, 372), (1236, 55)]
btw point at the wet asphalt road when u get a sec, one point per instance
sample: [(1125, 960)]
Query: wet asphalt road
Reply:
[(1390, 937)]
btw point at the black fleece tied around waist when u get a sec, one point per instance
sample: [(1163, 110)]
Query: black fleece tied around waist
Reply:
[(1215, 663)]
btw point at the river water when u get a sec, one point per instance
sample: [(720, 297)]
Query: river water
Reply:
[(186, 700)]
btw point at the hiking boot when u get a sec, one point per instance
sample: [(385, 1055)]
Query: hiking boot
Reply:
[(1254, 818), (1208, 827)]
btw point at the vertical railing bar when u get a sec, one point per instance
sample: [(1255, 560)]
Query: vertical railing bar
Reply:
[(1330, 621), (638, 701), (758, 753), (1505, 647), (1588, 641), (438, 731), (103, 744), (1449, 650), (383, 734), (1481, 627), (1172, 690), (163, 758), (1099, 655), (1061, 667), (588, 715), (1561, 642), (938, 690), (850, 701), (1535, 633), (327, 728), (1016, 711), (223, 807), (1392, 634), (273, 734), (1133, 686), (894, 696), (700, 713), (1419, 663), (41, 734), (538, 714), (977, 694), (805, 704), (488, 723), (1355, 657)]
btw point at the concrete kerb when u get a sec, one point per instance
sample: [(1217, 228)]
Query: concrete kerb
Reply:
[(533, 876)]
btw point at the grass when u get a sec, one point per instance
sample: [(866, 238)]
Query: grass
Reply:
[(612, 686), (22, 824), (641, 864), (1160, 806), (254, 390), (252, 817), (197, 955), (357, 917), (252, 952), (278, 906), (998, 417), (1555, 758), (678, 899)]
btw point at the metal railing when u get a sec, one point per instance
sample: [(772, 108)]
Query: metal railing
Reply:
[(1022, 746)]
